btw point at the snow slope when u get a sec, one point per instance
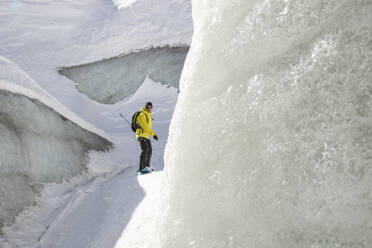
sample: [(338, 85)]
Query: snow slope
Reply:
[(109, 206), (41, 36)]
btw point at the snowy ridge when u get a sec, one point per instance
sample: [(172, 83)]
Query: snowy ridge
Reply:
[(57, 107), (11, 72), (128, 52), (111, 80), (148, 24), (15, 80)]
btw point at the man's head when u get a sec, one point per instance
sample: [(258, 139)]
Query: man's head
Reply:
[(148, 107)]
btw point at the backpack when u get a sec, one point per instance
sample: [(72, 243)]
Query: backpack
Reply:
[(135, 125)]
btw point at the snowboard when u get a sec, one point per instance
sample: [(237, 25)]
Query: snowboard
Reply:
[(144, 173)]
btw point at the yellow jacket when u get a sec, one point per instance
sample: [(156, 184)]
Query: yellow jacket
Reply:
[(145, 121)]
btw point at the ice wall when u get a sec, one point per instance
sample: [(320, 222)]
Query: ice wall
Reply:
[(38, 145), (271, 141), (114, 79)]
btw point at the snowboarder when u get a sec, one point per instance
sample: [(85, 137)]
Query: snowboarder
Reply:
[(143, 136)]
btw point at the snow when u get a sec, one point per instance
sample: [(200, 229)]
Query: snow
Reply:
[(109, 202), (36, 137), (270, 143), (123, 3), (116, 211), (140, 230), (38, 145), (41, 36), (269, 146), (17, 81), (114, 79)]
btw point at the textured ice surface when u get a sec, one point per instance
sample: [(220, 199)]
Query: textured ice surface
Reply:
[(37, 146), (276, 104), (114, 79)]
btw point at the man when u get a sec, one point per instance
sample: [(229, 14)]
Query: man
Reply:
[(143, 136)]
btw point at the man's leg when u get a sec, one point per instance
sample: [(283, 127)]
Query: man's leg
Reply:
[(149, 153), (143, 155)]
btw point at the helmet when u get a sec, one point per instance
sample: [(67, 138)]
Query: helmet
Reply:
[(148, 104)]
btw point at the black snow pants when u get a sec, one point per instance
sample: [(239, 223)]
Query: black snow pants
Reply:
[(146, 152)]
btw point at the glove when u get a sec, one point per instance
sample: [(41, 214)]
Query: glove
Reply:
[(155, 137)]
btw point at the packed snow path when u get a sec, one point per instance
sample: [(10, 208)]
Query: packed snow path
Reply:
[(118, 212)]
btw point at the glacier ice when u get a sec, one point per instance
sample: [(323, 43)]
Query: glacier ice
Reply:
[(114, 79), (270, 144), (38, 145)]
